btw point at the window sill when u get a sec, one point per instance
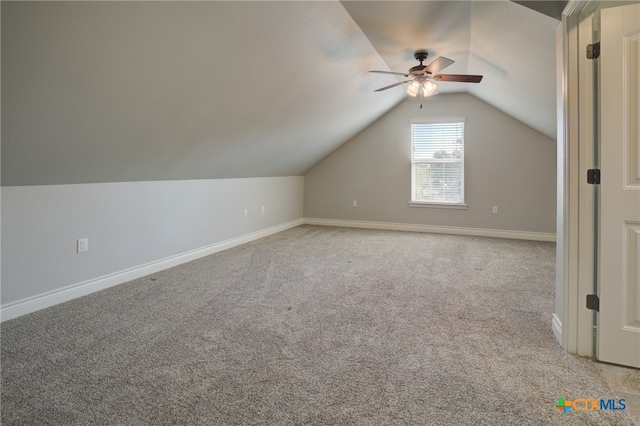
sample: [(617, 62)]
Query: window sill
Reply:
[(438, 205)]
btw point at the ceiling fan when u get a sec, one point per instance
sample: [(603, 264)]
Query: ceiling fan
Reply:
[(422, 76)]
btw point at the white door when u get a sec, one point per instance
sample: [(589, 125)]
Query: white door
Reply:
[(619, 248)]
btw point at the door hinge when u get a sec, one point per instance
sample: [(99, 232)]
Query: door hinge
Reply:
[(593, 302), (593, 50), (593, 176)]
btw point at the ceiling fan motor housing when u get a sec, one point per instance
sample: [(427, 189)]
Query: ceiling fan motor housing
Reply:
[(417, 70)]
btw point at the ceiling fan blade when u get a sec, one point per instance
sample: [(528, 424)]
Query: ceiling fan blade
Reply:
[(462, 78), (439, 64), (393, 85), (391, 72)]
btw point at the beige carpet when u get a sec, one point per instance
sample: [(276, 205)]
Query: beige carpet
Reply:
[(315, 325)]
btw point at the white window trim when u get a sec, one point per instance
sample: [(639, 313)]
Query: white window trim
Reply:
[(437, 120), (438, 205), (431, 204)]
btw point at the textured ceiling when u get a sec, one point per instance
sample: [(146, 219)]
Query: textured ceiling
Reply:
[(127, 91)]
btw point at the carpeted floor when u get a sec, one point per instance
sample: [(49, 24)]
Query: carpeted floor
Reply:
[(314, 325)]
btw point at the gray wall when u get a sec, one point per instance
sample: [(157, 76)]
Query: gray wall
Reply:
[(129, 225), (508, 165)]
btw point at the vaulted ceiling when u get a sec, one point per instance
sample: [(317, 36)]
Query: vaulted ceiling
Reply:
[(511, 46), (127, 91)]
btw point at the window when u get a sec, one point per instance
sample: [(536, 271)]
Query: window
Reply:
[(437, 163)]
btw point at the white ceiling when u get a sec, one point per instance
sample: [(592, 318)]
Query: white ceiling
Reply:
[(511, 46), (127, 91)]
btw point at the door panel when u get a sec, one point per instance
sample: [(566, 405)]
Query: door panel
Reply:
[(631, 60), (631, 281)]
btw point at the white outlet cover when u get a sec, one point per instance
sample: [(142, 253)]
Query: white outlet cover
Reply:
[(83, 245)]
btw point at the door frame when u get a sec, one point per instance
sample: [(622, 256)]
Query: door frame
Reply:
[(573, 323)]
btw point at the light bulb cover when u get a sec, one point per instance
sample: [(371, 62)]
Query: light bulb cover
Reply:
[(413, 88), (429, 88)]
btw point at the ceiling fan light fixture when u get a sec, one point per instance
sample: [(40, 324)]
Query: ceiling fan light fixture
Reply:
[(413, 88), (429, 88)]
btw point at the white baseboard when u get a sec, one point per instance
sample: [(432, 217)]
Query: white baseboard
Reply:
[(556, 325), (45, 300), (390, 226)]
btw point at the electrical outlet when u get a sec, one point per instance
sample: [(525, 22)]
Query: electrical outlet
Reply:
[(355, 203), (83, 245), (262, 210), (495, 209), (246, 212)]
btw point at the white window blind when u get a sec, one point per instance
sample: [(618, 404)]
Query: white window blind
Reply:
[(437, 162)]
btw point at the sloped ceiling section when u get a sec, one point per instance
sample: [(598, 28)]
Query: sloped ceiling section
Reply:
[(130, 91), (515, 48), (512, 46)]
